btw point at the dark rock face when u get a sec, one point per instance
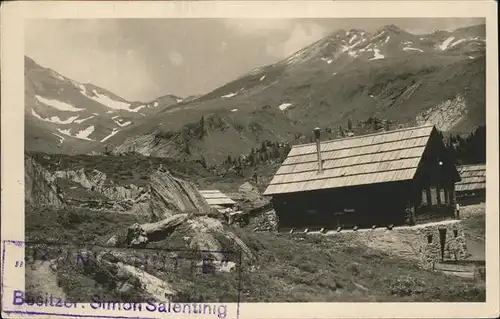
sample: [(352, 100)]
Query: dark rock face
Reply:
[(170, 196), (40, 189)]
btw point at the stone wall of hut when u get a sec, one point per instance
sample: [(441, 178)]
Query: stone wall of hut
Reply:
[(413, 242)]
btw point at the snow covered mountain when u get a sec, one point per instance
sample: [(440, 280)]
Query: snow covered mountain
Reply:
[(66, 116), (349, 76)]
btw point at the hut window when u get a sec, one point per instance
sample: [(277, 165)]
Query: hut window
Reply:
[(438, 195), (442, 196), (429, 197), (429, 239), (455, 233), (424, 197), (434, 196)]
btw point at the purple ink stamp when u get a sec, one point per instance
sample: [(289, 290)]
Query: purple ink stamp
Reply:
[(65, 278)]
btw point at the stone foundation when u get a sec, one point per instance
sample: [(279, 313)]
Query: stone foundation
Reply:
[(413, 242)]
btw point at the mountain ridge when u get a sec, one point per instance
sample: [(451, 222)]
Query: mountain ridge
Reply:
[(69, 116), (389, 77)]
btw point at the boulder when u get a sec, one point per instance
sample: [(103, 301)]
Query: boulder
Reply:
[(251, 197), (162, 229), (136, 236), (171, 196)]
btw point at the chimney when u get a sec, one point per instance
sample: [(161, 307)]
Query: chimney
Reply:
[(318, 148)]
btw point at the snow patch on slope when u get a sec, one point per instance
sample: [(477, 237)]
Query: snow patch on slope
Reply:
[(377, 55), (110, 135), (284, 106), (411, 49), (262, 78), (122, 124), (229, 95), (456, 43), (83, 120), (109, 102), (61, 138), (61, 106), (83, 134), (137, 108), (105, 100), (54, 119), (443, 46)]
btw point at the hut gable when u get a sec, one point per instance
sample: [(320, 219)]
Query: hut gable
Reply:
[(216, 197), (473, 178), (361, 160), (436, 166)]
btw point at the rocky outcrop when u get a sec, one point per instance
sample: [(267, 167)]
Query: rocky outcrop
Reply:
[(201, 232), (39, 186), (125, 192), (170, 196), (96, 181), (444, 115), (93, 180)]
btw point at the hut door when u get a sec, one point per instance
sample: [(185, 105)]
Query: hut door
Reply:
[(442, 240)]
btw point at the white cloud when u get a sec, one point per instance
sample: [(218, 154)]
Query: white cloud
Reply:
[(176, 58), (87, 51), (256, 26), (300, 36)]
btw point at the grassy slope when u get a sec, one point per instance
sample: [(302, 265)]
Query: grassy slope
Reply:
[(401, 89), (289, 268)]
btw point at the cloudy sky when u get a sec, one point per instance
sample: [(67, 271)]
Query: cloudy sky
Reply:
[(142, 59)]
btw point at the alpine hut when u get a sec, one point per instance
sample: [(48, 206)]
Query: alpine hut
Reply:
[(396, 177), (472, 187)]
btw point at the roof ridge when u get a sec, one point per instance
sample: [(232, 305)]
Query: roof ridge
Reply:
[(468, 165), (366, 135), (363, 146)]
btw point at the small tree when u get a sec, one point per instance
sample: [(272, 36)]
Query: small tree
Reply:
[(202, 127)]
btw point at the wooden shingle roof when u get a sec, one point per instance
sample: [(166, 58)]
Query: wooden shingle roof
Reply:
[(473, 177), (216, 197), (366, 159)]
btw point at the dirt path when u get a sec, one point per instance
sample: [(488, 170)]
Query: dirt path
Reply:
[(41, 279)]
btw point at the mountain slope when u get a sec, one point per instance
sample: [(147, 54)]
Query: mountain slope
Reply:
[(352, 75), (63, 115)]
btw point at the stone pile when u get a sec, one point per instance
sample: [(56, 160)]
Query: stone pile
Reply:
[(267, 221)]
